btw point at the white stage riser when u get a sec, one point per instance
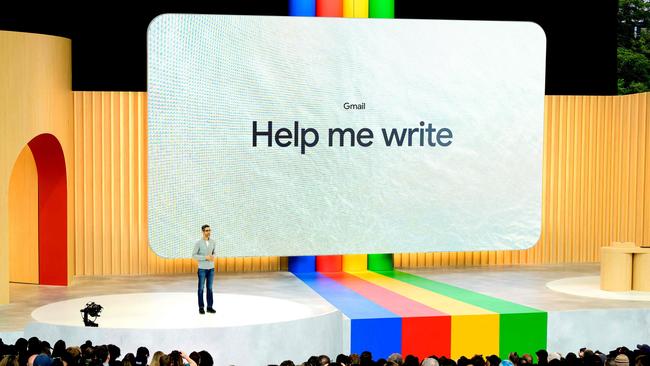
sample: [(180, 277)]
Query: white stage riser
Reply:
[(258, 344), (600, 329), (568, 331)]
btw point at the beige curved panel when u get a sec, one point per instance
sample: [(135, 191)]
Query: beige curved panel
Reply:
[(35, 98), (616, 269), (641, 272), (23, 219)]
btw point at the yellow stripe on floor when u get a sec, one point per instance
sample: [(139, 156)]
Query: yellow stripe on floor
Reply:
[(436, 301)]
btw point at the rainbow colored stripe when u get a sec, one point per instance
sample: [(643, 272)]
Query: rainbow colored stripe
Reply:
[(395, 311)]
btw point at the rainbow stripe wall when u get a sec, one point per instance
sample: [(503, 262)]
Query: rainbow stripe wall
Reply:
[(394, 311)]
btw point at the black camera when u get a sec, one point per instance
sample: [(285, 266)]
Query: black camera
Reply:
[(91, 310)]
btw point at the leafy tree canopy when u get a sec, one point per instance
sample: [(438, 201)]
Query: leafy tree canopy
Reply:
[(633, 53)]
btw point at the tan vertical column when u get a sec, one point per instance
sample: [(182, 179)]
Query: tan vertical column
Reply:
[(641, 271), (615, 269)]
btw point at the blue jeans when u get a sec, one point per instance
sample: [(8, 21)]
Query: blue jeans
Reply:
[(205, 275)]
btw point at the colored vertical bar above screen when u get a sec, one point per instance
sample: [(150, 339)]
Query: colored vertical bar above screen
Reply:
[(360, 8), (329, 8), (348, 8), (329, 263), (355, 262), (381, 8), (302, 264), (380, 262), (304, 8), (355, 8)]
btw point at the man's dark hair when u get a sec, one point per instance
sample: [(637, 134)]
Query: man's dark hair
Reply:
[(366, 358), (102, 353), (142, 352), (46, 348), (323, 360), (494, 360), (341, 358), (21, 345), (175, 358), (69, 359), (142, 356), (59, 348), (478, 360), (287, 363), (411, 360), (313, 361), (196, 357), (206, 358), (115, 353), (34, 346), (11, 350), (643, 360), (87, 354), (204, 227), (514, 358)]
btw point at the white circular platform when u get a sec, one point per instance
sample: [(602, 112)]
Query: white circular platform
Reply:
[(244, 331), (178, 309), (589, 286)]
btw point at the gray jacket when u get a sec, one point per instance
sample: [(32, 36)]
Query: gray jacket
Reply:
[(201, 251)]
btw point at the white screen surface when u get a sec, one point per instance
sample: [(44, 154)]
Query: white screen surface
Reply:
[(211, 76)]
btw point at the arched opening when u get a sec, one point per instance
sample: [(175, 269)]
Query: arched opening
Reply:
[(41, 160)]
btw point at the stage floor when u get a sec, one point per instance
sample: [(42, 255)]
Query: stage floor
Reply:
[(281, 297), (278, 285)]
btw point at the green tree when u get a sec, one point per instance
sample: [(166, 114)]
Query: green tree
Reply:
[(633, 53)]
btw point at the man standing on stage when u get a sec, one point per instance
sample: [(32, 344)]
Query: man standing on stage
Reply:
[(204, 253)]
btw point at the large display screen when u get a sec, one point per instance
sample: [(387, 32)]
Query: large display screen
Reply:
[(303, 136)]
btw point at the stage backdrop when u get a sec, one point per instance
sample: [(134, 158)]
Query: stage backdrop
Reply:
[(596, 172), (596, 187)]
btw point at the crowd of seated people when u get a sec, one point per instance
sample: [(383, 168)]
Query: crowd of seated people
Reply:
[(621, 356), (35, 352)]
